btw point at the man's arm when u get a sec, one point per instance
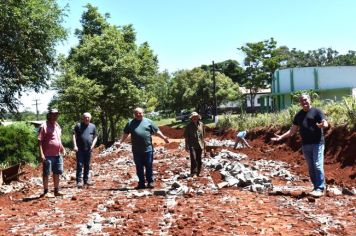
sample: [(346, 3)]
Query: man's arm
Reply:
[(94, 142), (42, 156), (287, 134), (123, 138), (75, 147), (159, 133)]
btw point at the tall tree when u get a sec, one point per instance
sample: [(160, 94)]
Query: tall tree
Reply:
[(262, 59), (117, 70), (29, 32)]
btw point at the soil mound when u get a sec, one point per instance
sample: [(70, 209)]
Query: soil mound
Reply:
[(340, 149)]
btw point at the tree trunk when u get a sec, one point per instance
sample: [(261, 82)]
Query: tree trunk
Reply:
[(104, 125)]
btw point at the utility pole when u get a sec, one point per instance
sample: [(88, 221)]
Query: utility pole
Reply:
[(36, 103), (214, 95)]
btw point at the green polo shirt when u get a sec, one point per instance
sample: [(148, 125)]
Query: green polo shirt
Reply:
[(141, 132)]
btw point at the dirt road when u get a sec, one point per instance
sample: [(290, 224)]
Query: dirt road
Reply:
[(181, 205)]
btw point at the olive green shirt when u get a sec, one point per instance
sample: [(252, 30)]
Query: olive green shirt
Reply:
[(194, 135)]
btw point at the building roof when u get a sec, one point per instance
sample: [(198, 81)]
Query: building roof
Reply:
[(244, 90)]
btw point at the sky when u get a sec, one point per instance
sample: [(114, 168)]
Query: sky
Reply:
[(188, 33)]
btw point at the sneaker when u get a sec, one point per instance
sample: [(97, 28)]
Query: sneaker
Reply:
[(89, 183), (317, 193), (140, 187), (79, 185), (58, 194), (151, 185)]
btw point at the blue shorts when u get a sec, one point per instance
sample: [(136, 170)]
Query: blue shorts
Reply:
[(54, 164), (241, 134)]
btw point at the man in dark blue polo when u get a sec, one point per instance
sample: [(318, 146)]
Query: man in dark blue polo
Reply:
[(84, 140)]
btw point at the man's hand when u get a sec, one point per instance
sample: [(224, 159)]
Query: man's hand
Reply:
[(322, 124), (42, 158), (166, 139), (75, 148)]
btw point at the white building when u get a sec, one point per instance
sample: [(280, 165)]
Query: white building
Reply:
[(331, 82)]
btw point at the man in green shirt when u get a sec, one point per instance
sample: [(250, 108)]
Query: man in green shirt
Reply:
[(194, 142), (141, 130)]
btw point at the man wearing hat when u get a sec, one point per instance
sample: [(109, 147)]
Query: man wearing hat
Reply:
[(51, 148), (194, 142)]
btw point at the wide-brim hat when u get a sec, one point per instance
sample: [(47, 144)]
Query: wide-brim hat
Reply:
[(53, 111), (194, 114)]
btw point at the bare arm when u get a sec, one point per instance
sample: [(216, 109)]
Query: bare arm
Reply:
[(94, 142), (42, 156), (287, 134), (246, 143), (124, 137), (159, 133), (75, 147)]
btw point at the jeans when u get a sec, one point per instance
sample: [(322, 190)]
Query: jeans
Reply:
[(83, 160), (144, 160), (195, 160), (314, 155)]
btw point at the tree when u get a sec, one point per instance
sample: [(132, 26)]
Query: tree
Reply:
[(262, 59), (109, 71), (193, 89), (29, 32), (348, 59)]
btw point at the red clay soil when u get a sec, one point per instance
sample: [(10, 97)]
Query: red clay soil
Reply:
[(340, 151), (112, 207)]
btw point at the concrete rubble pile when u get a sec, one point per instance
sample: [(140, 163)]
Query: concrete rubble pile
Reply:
[(238, 174), (222, 143)]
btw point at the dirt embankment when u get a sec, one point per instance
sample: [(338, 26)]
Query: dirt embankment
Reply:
[(340, 151), (112, 207)]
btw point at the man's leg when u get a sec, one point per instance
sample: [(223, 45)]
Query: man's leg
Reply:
[(57, 169), (318, 166), (87, 157), (149, 167), (138, 159), (198, 153), (46, 170), (80, 163), (308, 155), (193, 161), (56, 182)]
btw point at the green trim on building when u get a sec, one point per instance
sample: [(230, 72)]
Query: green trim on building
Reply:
[(278, 88), (291, 76), (283, 102), (273, 82), (316, 79), (316, 90)]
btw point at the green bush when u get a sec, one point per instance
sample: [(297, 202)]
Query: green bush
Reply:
[(18, 142), (337, 114), (350, 110)]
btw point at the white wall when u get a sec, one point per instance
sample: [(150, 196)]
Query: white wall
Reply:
[(337, 77), (329, 78)]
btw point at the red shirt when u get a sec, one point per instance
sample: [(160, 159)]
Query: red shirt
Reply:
[(50, 137)]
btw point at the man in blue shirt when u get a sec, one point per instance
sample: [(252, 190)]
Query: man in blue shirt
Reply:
[(310, 122), (141, 130), (84, 140)]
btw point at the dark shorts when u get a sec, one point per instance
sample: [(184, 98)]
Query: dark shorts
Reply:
[(53, 164)]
